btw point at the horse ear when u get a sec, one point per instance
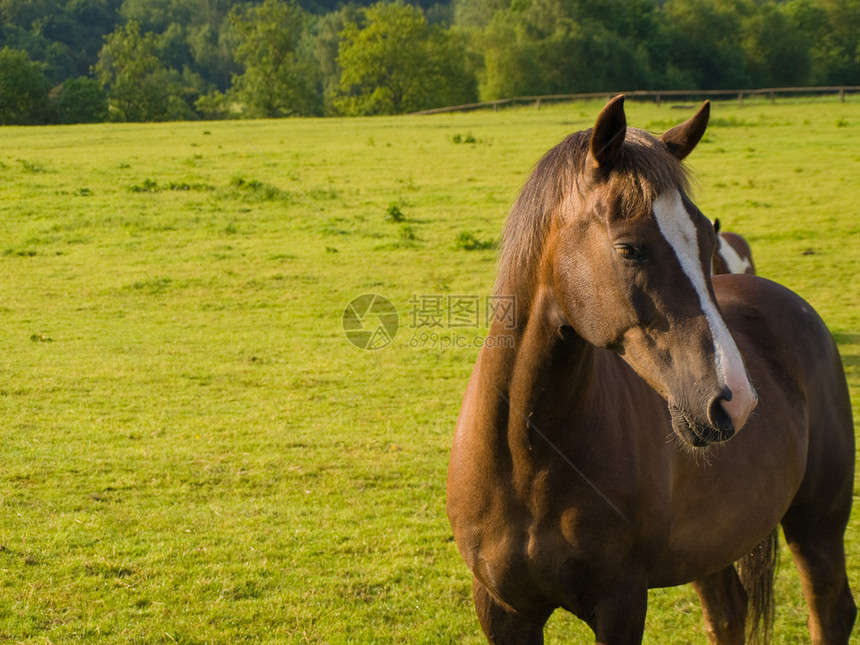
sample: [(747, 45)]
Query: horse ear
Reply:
[(681, 139), (608, 133)]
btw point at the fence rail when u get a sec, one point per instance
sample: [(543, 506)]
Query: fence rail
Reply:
[(656, 95)]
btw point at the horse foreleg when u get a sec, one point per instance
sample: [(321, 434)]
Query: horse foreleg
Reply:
[(619, 619), (503, 625), (819, 555), (724, 607)]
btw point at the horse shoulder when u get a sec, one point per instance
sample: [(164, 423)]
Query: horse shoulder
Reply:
[(775, 323), (480, 502), (788, 347)]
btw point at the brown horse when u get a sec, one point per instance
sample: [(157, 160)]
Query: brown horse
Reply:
[(733, 253), (591, 460)]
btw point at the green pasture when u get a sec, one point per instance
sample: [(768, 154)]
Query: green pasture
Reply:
[(193, 451)]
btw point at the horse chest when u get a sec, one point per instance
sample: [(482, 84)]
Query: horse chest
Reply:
[(551, 543), (559, 562)]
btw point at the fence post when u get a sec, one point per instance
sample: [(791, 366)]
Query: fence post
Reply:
[(538, 103), (842, 95), (741, 99), (772, 98)]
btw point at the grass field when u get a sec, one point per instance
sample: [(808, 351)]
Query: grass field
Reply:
[(192, 450)]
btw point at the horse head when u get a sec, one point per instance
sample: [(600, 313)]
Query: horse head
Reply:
[(733, 254), (631, 272)]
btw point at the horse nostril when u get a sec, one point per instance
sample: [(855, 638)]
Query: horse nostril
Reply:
[(719, 417)]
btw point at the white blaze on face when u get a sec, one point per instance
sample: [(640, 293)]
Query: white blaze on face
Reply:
[(734, 262), (678, 228)]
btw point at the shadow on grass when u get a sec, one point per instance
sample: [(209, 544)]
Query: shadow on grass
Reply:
[(850, 361)]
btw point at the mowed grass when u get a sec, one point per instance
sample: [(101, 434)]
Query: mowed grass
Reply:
[(192, 450)]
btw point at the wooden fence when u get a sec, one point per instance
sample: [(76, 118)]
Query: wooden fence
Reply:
[(658, 96)]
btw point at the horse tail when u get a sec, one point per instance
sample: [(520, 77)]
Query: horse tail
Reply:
[(756, 571)]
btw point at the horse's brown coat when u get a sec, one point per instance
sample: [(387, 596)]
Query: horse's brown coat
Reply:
[(567, 486)]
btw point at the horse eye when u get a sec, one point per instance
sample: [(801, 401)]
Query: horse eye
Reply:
[(629, 252)]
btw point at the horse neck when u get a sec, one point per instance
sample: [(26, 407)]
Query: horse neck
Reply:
[(547, 361), (548, 351)]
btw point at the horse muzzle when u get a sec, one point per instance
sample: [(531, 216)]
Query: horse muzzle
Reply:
[(726, 413), (736, 404), (699, 432)]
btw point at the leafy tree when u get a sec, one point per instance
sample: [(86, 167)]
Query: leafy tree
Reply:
[(23, 13), (185, 88), (191, 33), (842, 49), (560, 47), (212, 49), (66, 35), (399, 63), (476, 13), (172, 47), (56, 30), (157, 15), (135, 79), (776, 52), (325, 45), (833, 29), (23, 90), (91, 21), (703, 39), (278, 80), (510, 59), (273, 58), (82, 100), (440, 14), (30, 37), (215, 106)]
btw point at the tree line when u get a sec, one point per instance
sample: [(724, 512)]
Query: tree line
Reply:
[(73, 61)]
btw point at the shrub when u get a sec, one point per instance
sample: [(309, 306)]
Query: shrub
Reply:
[(82, 100), (23, 90), (394, 214), (468, 242)]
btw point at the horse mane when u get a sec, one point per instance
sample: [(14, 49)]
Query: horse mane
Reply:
[(558, 186)]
